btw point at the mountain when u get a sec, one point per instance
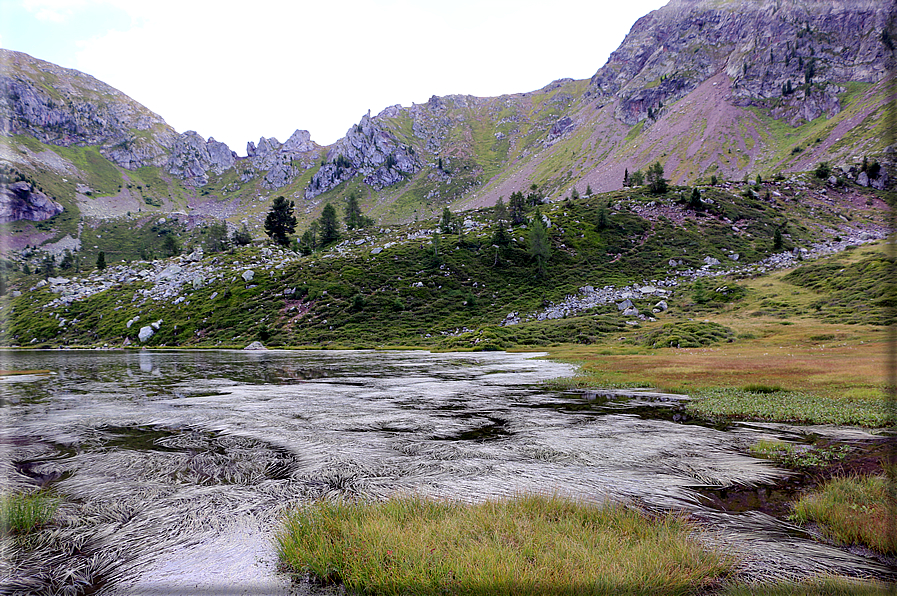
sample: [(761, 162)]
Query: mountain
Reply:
[(725, 88), (739, 103)]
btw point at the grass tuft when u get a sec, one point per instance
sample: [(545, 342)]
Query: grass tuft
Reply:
[(527, 545), (21, 513), (853, 510)]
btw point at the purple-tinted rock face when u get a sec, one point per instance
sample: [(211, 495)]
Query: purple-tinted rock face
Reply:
[(786, 55), (20, 201)]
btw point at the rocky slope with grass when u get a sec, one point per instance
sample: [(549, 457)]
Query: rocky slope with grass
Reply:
[(627, 263)]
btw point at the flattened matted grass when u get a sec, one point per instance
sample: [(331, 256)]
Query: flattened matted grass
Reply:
[(528, 545)]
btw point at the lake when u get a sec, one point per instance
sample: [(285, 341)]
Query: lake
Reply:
[(175, 465)]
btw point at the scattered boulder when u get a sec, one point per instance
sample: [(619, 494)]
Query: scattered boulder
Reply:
[(248, 275), (145, 333), (624, 305), (256, 345)]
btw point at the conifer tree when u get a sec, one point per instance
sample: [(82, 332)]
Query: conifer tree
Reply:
[(534, 197), (355, 219), (656, 182), (539, 247), (602, 218), (241, 237), (280, 222), (501, 218), (447, 223), (329, 225), (517, 208), (101, 261)]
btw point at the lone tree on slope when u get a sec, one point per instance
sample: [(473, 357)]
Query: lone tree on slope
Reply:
[(280, 222), (329, 226), (654, 177), (355, 219), (539, 246)]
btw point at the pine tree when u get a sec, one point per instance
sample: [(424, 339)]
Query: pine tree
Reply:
[(170, 246), (216, 238), (656, 182), (101, 261), (355, 219), (626, 177), (68, 260), (447, 223), (280, 222), (501, 218), (517, 208), (241, 237), (777, 240), (602, 218), (539, 247), (329, 225), (695, 200), (534, 197), (636, 178)]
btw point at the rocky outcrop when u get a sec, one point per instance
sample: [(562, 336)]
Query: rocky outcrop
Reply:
[(64, 107), (281, 164), (368, 150), (192, 158), (788, 55), (20, 200)]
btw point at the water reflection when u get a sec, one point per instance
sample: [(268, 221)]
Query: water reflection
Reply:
[(166, 458)]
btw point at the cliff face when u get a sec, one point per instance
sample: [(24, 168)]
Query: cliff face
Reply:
[(790, 56), (20, 200)]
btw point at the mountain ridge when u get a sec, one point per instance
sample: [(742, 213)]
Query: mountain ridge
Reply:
[(730, 89)]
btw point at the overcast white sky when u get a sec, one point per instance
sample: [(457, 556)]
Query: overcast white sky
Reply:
[(238, 71)]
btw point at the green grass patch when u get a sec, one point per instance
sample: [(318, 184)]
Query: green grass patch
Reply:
[(798, 456), (527, 545), (792, 406), (828, 586), (21, 513), (852, 510), (855, 292), (688, 334)]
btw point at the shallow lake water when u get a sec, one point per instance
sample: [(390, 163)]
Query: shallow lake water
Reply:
[(175, 466)]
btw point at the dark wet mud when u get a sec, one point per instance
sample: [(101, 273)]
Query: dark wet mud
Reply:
[(173, 467)]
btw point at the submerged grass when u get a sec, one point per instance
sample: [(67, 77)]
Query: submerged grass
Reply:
[(527, 545), (855, 510), (21, 513)]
